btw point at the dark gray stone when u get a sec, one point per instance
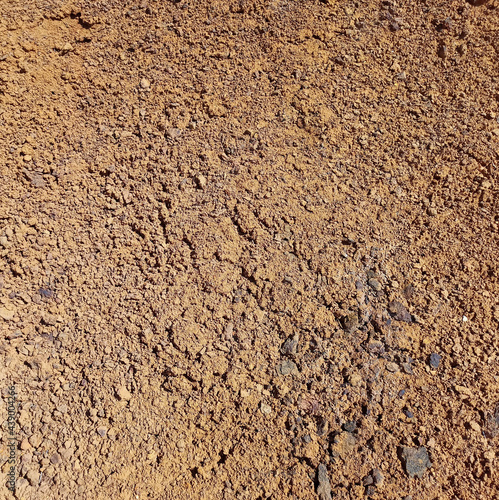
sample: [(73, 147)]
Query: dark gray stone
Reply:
[(435, 360), (415, 460), (289, 346), (368, 480)]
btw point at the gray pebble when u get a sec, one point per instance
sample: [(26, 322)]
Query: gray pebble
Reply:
[(375, 284), (324, 486), (415, 460), (350, 426), (407, 368), (290, 345), (377, 477), (287, 367), (368, 480), (435, 360)]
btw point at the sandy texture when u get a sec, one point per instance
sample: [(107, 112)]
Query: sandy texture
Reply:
[(249, 249)]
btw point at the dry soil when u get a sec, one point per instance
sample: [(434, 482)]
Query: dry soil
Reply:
[(249, 249)]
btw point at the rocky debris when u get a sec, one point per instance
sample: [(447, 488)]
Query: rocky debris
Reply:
[(25, 444), (409, 291), (407, 367), (350, 322), (350, 426), (288, 368), (343, 444), (33, 477), (56, 459), (229, 331), (375, 284), (371, 480), (173, 133), (102, 431), (378, 477), (35, 440), (128, 269), (290, 346), (415, 460), (492, 423), (370, 491), (354, 379), (14, 335), (435, 360), (36, 178), (399, 311), (408, 413), (323, 484), (392, 367)]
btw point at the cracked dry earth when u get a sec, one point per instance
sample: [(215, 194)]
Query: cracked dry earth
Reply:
[(249, 249)]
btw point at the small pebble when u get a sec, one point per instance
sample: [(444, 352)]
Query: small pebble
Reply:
[(290, 345), (442, 53), (102, 431), (415, 460), (435, 360), (350, 426), (201, 181), (287, 367), (145, 83), (375, 284), (368, 480), (408, 413), (7, 314), (399, 311), (350, 322), (265, 409), (377, 477), (324, 486), (407, 368), (370, 491), (25, 445), (392, 367)]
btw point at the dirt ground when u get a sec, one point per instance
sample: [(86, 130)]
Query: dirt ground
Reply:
[(249, 249)]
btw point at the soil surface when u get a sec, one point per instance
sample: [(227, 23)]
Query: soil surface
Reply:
[(249, 249)]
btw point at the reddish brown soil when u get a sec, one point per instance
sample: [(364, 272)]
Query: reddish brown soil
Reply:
[(233, 232)]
